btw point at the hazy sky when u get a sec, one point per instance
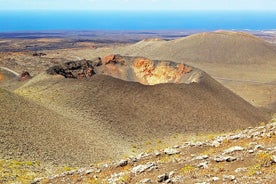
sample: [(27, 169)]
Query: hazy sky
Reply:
[(139, 4)]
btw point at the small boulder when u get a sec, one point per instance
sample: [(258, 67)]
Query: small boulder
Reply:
[(233, 149), (142, 168), (122, 163), (171, 151), (273, 159), (221, 158), (162, 177)]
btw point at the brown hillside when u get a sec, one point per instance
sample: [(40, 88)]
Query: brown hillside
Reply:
[(137, 113), (32, 132), (212, 47)]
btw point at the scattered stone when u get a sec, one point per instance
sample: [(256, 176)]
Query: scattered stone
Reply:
[(142, 155), (233, 149), (202, 157), (203, 165), (196, 144), (171, 174), (98, 171), (224, 158), (37, 180), (171, 151), (115, 178), (273, 159), (157, 153), (258, 147), (233, 137), (177, 179), (252, 144), (215, 144), (122, 163), (146, 180), (229, 177), (142, 168), (162, 177), (215, 178), (89, 171), (133, 159), (241, 169), (69, 172), (185, 145), (250, 151)]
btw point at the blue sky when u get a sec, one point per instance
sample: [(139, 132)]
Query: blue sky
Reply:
[(262, 5)]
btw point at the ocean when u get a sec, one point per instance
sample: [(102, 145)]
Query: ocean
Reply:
[(12, 21)]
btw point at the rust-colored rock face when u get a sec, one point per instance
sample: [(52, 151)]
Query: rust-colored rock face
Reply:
[(1, 77), (136, 69), (113, 59), (147, 72)]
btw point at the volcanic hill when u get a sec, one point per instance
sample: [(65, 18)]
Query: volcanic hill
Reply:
[(93, 110), (211, 47)]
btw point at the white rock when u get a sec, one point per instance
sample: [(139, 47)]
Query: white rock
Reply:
[(37, 180), (203, 165), (176, 146), (141, 168), (258, 147), (250, 151), (171, 174), (252, 143), (201, 157), (115, 177), (122, 163), (142, 155), (89, 171), (196, 144), (162, 177), (157, 153), (241, 169), (171, 151), (215, 144), (221, 158), (146, 180), (233, 137), (229, 177), (233, 149), (215, 178), (177, 179), (273, 159), (81, 170)]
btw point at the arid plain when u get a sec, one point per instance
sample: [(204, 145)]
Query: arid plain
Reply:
[(95, 98)]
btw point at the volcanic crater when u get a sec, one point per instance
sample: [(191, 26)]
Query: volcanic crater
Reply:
[(135, 69)]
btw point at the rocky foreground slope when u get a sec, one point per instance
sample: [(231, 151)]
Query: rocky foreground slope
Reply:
[(246, 156)]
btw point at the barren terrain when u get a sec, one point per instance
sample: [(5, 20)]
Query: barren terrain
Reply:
[(83, 105)]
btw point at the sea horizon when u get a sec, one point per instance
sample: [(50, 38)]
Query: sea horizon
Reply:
[(76, 20)]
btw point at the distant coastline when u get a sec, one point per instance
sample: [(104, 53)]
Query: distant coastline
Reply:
[(23, 21)]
